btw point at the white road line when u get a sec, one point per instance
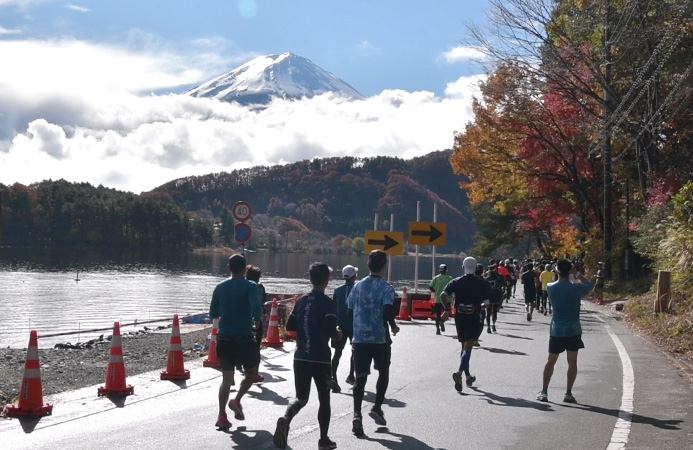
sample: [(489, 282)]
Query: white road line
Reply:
[(619, 438)]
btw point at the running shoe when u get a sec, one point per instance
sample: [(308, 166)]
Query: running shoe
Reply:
[(457, 378), (377, 415), (542, 397), (568, 398), (223, 422), (335, 386), (488, 330), (442, 327), (326, 444), (357, 425), (470, 381), (529, 317), (281, 433), (546, 312), (350, 380), (493, 327), (235, 406), (259, 378), (437, 332)]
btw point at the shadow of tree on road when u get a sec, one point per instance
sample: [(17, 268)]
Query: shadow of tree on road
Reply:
[(503, 351)]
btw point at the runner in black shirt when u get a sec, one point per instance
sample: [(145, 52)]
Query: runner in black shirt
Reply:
[(314, 318)]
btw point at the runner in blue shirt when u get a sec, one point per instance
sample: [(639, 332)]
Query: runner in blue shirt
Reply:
[(565, 332), (371, 305), (314, 318), (236, 304)]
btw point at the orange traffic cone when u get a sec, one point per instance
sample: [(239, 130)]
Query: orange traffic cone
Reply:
[(292, 334), (212, 360), (174, 367), (404, 307), (115, 375), (31, 391), (272, 339)]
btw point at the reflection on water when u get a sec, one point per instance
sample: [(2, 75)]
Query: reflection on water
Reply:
[(39, 288)]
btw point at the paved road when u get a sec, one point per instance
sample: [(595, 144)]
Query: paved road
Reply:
[(629, 397)]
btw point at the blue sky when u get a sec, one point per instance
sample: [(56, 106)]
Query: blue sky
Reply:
[(88, 90)]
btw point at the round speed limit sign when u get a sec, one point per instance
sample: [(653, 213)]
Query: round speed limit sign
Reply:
[(241, 211)]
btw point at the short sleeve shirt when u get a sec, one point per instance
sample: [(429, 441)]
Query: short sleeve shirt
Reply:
[(316, 317), (366, 300), (469, 290), (438, 283), (235, 302), (546, 277), (565, 299)]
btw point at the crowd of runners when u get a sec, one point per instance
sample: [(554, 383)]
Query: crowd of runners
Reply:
[(362, 314)]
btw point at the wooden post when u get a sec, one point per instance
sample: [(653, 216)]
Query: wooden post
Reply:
[(663, 300)]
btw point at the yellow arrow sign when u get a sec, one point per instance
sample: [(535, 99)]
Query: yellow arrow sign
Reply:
[(392, 242), (428, 233)]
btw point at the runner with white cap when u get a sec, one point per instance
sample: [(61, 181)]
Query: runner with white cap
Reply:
[(472, 293)]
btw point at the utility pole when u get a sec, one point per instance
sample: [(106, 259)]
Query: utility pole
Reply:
[(606, 148)]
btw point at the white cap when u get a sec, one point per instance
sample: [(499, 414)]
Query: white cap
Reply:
[(469, 265), (443, 267), (349, 271)]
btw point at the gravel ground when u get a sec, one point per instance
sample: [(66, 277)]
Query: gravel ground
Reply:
[(68, 369)]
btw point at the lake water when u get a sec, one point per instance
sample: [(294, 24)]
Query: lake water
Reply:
[(39, 291)]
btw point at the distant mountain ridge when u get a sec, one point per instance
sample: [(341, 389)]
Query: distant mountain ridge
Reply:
[(335, 196), (286, 76)]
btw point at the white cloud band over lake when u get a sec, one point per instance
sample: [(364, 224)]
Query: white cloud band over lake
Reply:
[(94, 113)]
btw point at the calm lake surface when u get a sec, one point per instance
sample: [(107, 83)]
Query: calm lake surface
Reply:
[(39, 288)]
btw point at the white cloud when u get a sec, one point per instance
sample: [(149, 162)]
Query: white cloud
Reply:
[(78, 8), (75, 112), (465, 87), (463, 53), (7, 31)]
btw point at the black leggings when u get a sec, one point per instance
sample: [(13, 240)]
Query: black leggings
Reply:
[(304, 373), (492, 311)]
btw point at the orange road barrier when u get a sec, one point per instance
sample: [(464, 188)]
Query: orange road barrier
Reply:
[(292, 334), (272, 339), (212, 360), (115, 375), (404, 307), (31, 391), (174, 367), (423, 309)]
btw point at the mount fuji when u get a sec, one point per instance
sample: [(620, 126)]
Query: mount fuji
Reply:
[(286, 76)]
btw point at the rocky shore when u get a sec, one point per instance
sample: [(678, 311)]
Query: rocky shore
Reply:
[(76, 366)]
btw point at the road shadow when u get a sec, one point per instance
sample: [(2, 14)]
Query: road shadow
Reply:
[(515, 337), (502, 351), (405, 442), (669, 424), (243, 438), (515, 402), (29, 423), (266, 394), (369, 397)]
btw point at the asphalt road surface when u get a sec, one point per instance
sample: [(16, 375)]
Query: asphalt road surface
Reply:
[(629, 396)]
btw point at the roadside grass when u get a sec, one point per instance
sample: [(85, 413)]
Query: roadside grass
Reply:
[(672, 330)]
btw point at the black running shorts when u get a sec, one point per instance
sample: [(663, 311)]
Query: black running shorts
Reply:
[(232, 353), (469, 326), (379, 354), (558, 345)]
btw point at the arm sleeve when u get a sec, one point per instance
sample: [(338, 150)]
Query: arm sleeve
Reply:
[(330, 322), (389, 314), (255, 310)]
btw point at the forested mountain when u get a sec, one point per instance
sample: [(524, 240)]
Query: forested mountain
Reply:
[(310, 201), (57, 213)]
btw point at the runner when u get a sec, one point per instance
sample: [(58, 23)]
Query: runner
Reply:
[(599, 283), (512, 277), (471, 295), (496, 299), (235, 302), (345, 324), (546, 277), (371, 305), (503, 272), (565, 331), (530, 289), (436, 286), (314, 318)]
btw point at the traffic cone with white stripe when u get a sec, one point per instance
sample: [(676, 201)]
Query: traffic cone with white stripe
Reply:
[(175, 369), (115, 375), (273, 339), (292, 334), (212, 359), (404, 307), (31, 391)]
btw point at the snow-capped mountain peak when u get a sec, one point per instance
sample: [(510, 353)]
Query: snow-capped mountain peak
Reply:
[(285, 76)]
